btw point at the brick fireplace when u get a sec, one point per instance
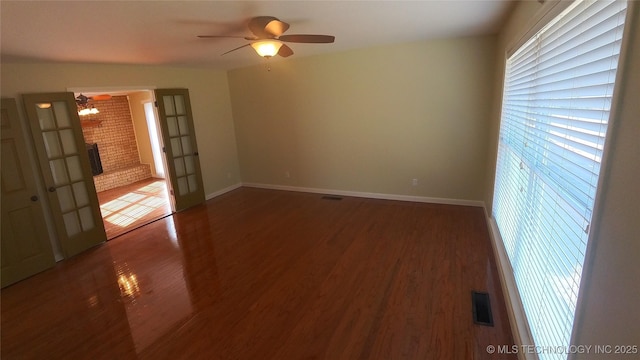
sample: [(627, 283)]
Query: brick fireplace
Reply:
[(112, 130)]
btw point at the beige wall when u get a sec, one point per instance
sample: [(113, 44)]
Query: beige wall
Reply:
[(609, 296), (208, 90), (370, 120), (136, 104)]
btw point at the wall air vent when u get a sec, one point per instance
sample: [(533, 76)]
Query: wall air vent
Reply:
[(332, 197)]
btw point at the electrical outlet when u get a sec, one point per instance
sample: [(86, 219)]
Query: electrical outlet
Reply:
[(228, 175), (287, 174), (414, 182)]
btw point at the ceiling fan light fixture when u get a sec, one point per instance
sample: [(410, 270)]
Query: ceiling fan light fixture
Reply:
[(267, 48), (88, 111)]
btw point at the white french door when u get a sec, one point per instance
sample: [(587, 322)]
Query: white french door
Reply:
[(26, 247), (181, 149), (64, 163)]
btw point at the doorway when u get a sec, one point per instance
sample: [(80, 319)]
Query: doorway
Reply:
[(123, 141), (67, 169)]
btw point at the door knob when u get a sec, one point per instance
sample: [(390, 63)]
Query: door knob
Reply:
[(34, 198), (52, 189)]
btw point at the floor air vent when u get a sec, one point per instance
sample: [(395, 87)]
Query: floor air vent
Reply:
[(331, 197), (481, 309)]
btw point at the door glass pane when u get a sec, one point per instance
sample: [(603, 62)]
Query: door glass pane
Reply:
[(193, 184), (75, 170), (68, 141), (168, 105), (184, 125), (186, 144), (44, 105), (86, 218), (65, 198), (62, 115), (172, 124), (59, 172), (51, 144), (179, 163), (45, 118), (179, 104), (175, 146), (188, 162), (182, 186), (80, 192), (71, 223)]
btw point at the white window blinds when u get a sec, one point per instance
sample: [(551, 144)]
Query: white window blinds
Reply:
[(556, 102)]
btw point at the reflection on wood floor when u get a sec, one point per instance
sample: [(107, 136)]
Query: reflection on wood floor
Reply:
[(131, 206), (262, 274)]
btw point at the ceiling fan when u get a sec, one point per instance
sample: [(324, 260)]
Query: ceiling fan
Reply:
[(268, 37), (83, 100)]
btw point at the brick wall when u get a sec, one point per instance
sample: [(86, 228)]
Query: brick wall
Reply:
[(117, 145)]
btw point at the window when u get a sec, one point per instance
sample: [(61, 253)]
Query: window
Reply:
[(557, 98)]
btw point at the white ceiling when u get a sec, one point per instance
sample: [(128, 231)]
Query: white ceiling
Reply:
[(164, 32)]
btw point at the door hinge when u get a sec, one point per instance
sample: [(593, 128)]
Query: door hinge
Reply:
[(164, 149), (171, 192), (155, 103)]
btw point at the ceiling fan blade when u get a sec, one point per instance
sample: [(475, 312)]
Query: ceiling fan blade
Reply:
[(276, 27), (285, 51), (227, 37), (267, 27), (239, 47), (101, 97), (257, 24), (307, 38)]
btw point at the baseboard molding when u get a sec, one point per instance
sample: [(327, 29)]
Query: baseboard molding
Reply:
[(223, 191), (517, 319), (421, 199)]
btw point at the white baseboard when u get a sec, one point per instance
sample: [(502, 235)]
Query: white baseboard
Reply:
[(515, 311), (422, 199), (223, 191)]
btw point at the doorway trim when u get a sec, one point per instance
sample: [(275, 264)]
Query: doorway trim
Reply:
[(126, 91)]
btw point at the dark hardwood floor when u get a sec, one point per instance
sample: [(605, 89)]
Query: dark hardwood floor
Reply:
[(261, 274)]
